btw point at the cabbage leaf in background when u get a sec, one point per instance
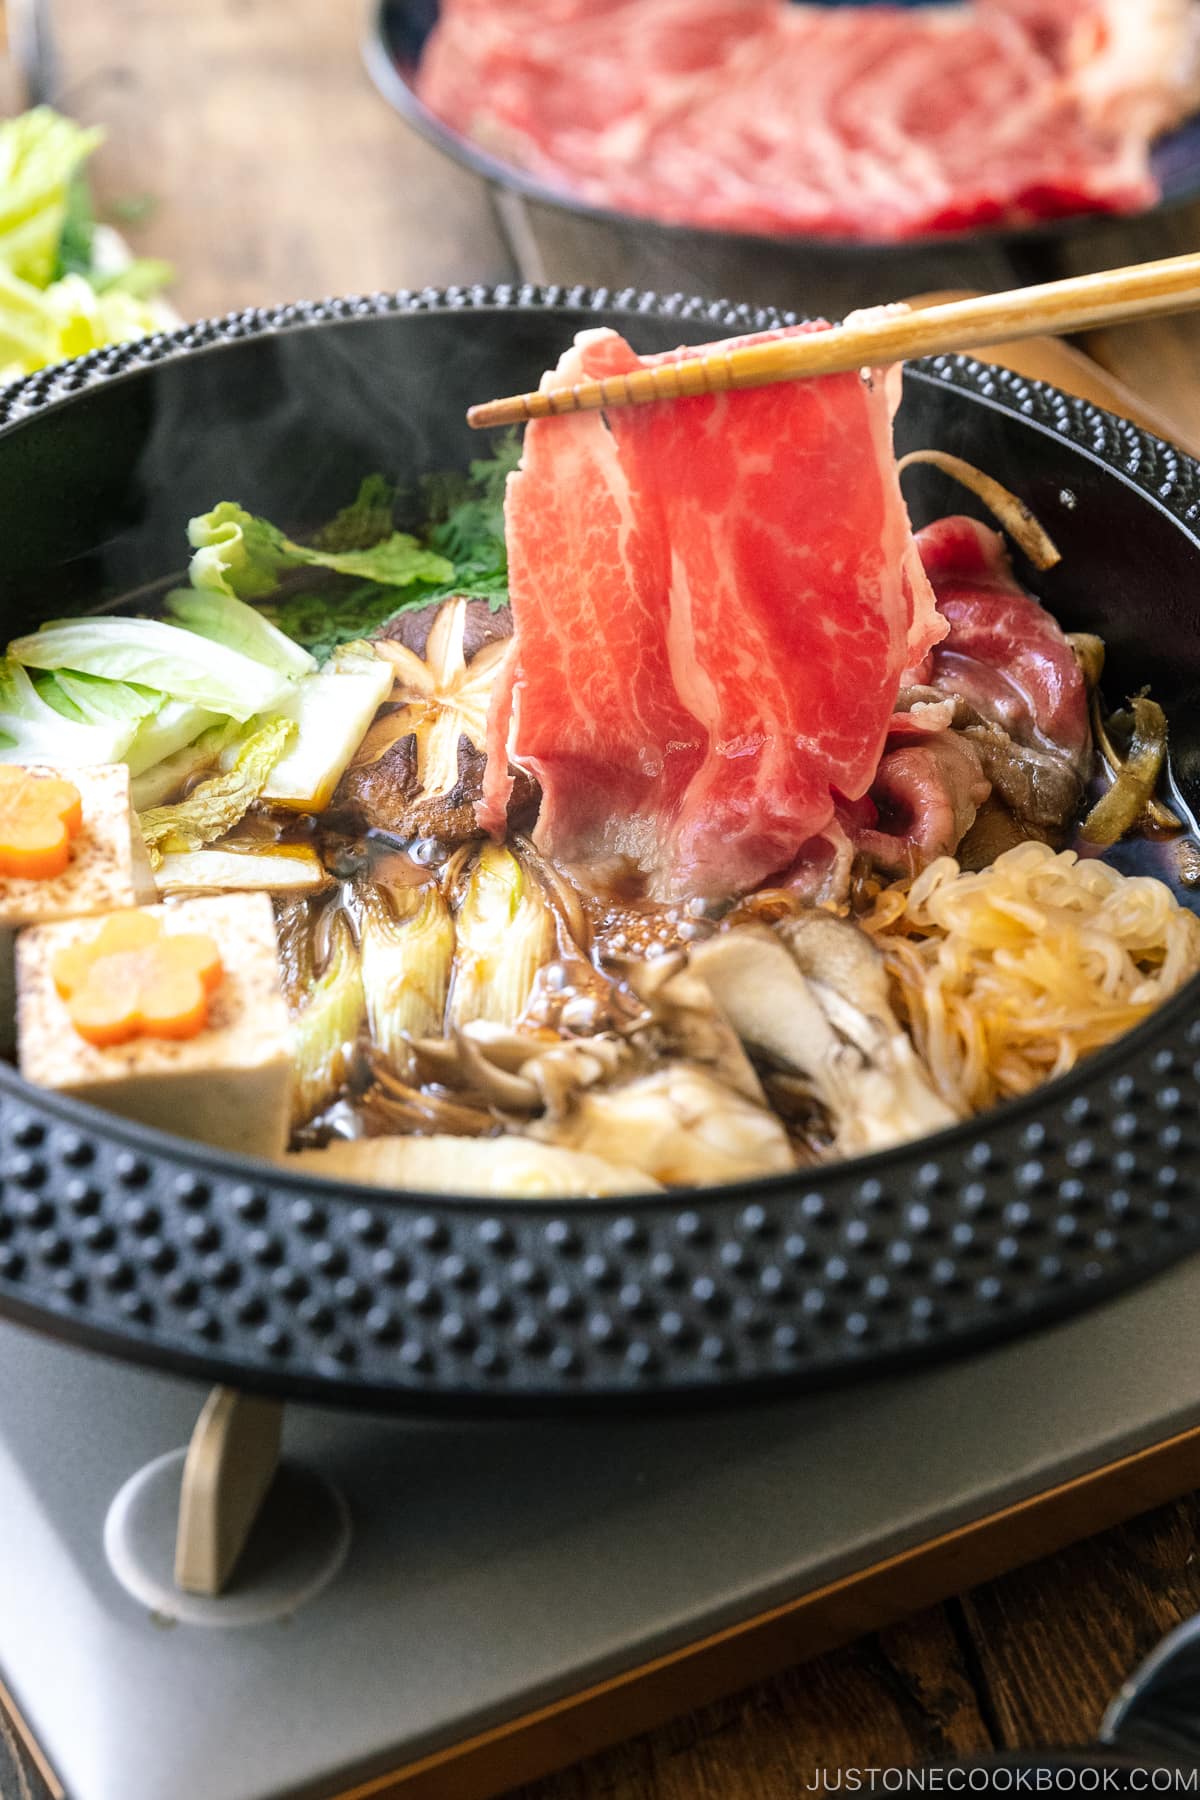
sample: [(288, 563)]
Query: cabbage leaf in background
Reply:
[(48, 325), (66, 284), (40, 154)]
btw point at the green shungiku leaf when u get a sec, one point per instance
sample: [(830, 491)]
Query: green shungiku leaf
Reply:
[(320, 622), (369, 518), (466, 512)]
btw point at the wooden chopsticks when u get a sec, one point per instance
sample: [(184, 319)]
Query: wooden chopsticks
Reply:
[(869, 340)]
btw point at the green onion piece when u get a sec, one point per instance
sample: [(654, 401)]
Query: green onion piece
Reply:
[(326, 1026), (1011, 512), (506, 931), (407, 958), (1119, 810)]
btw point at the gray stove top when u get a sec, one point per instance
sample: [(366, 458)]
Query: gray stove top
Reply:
[(496, 1567)]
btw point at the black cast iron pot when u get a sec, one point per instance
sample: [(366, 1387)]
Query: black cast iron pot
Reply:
[(170, 1253)]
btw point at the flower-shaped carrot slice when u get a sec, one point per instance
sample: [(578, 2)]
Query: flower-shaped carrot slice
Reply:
[(133, 979), (39, 815)]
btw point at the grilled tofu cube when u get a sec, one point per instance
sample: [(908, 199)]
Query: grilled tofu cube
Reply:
[(108, 869), (229, 1085)]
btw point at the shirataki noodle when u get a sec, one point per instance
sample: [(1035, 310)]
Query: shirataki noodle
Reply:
[(1007, 977)]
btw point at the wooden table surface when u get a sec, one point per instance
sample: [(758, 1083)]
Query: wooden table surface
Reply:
[(276, 172)]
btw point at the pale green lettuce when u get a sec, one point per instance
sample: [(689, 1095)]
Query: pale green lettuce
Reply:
[(31, 730), (40, 153), (68, 318), (243, 556), (156, 655), (177, 726), (90, 701), (61, 292), (228, 621)]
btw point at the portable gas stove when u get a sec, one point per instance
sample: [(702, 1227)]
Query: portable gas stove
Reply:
[(443, 1610)]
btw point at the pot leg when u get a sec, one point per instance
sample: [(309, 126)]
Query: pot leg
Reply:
[(231, 1463)]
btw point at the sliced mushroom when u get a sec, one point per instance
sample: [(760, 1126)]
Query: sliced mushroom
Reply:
[(513, 1092), (482, 624), (678, 1124), (565, 1069), (522, 1071), (813, 995), (766, 999), (687, 1018), (386, 795), (508, 1047), (391, 1104), (441, 698), (419, 770), (847, 973)]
